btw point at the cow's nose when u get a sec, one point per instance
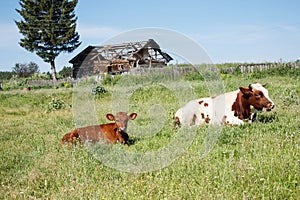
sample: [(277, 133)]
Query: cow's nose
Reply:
[(270, 106)]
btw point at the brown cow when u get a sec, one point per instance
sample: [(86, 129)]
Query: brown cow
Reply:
[(109, 133)]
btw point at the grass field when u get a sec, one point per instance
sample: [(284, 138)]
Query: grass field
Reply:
[(257, 161)]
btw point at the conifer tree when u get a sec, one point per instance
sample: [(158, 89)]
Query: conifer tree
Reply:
[(49, 28)]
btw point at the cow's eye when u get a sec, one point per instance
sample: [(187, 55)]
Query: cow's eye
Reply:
[(259, 94)]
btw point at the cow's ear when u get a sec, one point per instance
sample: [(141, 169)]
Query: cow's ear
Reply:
[(264, 85), (110, 117), (246, 91), (132, 116), (250, 87)]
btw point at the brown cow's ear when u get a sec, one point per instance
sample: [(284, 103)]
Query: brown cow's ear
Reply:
[(110, 117), (264, 85), (132, 116), (246, 92), (250, 87)]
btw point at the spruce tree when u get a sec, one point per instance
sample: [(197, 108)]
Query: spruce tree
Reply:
[(49, 28)]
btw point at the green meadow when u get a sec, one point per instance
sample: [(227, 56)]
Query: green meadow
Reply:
[(253, 161)]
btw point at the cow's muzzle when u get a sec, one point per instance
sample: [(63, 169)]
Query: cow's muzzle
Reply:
[(122, 129), (269, 106)]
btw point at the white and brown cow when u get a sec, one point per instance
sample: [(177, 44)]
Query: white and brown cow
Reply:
[(230, 108)]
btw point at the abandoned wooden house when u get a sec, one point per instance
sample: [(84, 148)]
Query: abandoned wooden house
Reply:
[(119, 58)]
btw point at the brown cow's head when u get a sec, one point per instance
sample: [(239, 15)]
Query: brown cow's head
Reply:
[(121, 119), (258, 97)]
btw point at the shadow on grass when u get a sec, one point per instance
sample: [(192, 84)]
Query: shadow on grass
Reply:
[(267, 117)]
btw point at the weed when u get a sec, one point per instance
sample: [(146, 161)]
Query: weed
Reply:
[(56, 104), (99, 91)]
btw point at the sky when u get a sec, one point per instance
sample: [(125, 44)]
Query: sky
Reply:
[(228, 30)]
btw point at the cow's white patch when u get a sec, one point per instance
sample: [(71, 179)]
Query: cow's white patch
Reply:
[(258, 86)]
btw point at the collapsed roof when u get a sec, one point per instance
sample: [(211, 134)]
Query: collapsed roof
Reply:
[(96, 58)]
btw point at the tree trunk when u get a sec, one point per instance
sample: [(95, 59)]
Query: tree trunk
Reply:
[(53, 70)]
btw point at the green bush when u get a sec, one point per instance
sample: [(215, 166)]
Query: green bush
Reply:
[(64, 85), (56, 104), (99, 90), (110, 80)]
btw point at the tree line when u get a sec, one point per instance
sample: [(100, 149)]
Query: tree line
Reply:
[(29, 70)]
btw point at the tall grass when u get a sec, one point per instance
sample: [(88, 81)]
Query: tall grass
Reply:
[(257, 161)]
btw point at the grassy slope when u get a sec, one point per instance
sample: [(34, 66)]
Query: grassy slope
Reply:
[(248, 162)]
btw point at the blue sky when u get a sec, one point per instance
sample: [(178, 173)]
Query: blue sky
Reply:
[(229, 31)]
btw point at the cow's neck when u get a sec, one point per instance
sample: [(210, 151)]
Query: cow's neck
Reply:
[(241, 107)]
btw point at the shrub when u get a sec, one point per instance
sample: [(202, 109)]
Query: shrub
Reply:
[(110, 80), (64, 85), (99, 90), (56, 104)]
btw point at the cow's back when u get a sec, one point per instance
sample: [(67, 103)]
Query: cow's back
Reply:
[(90, 133), (218, 110), (187, 115), (108, 133)]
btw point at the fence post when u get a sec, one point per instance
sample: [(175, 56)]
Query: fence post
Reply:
[(242, 69)]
